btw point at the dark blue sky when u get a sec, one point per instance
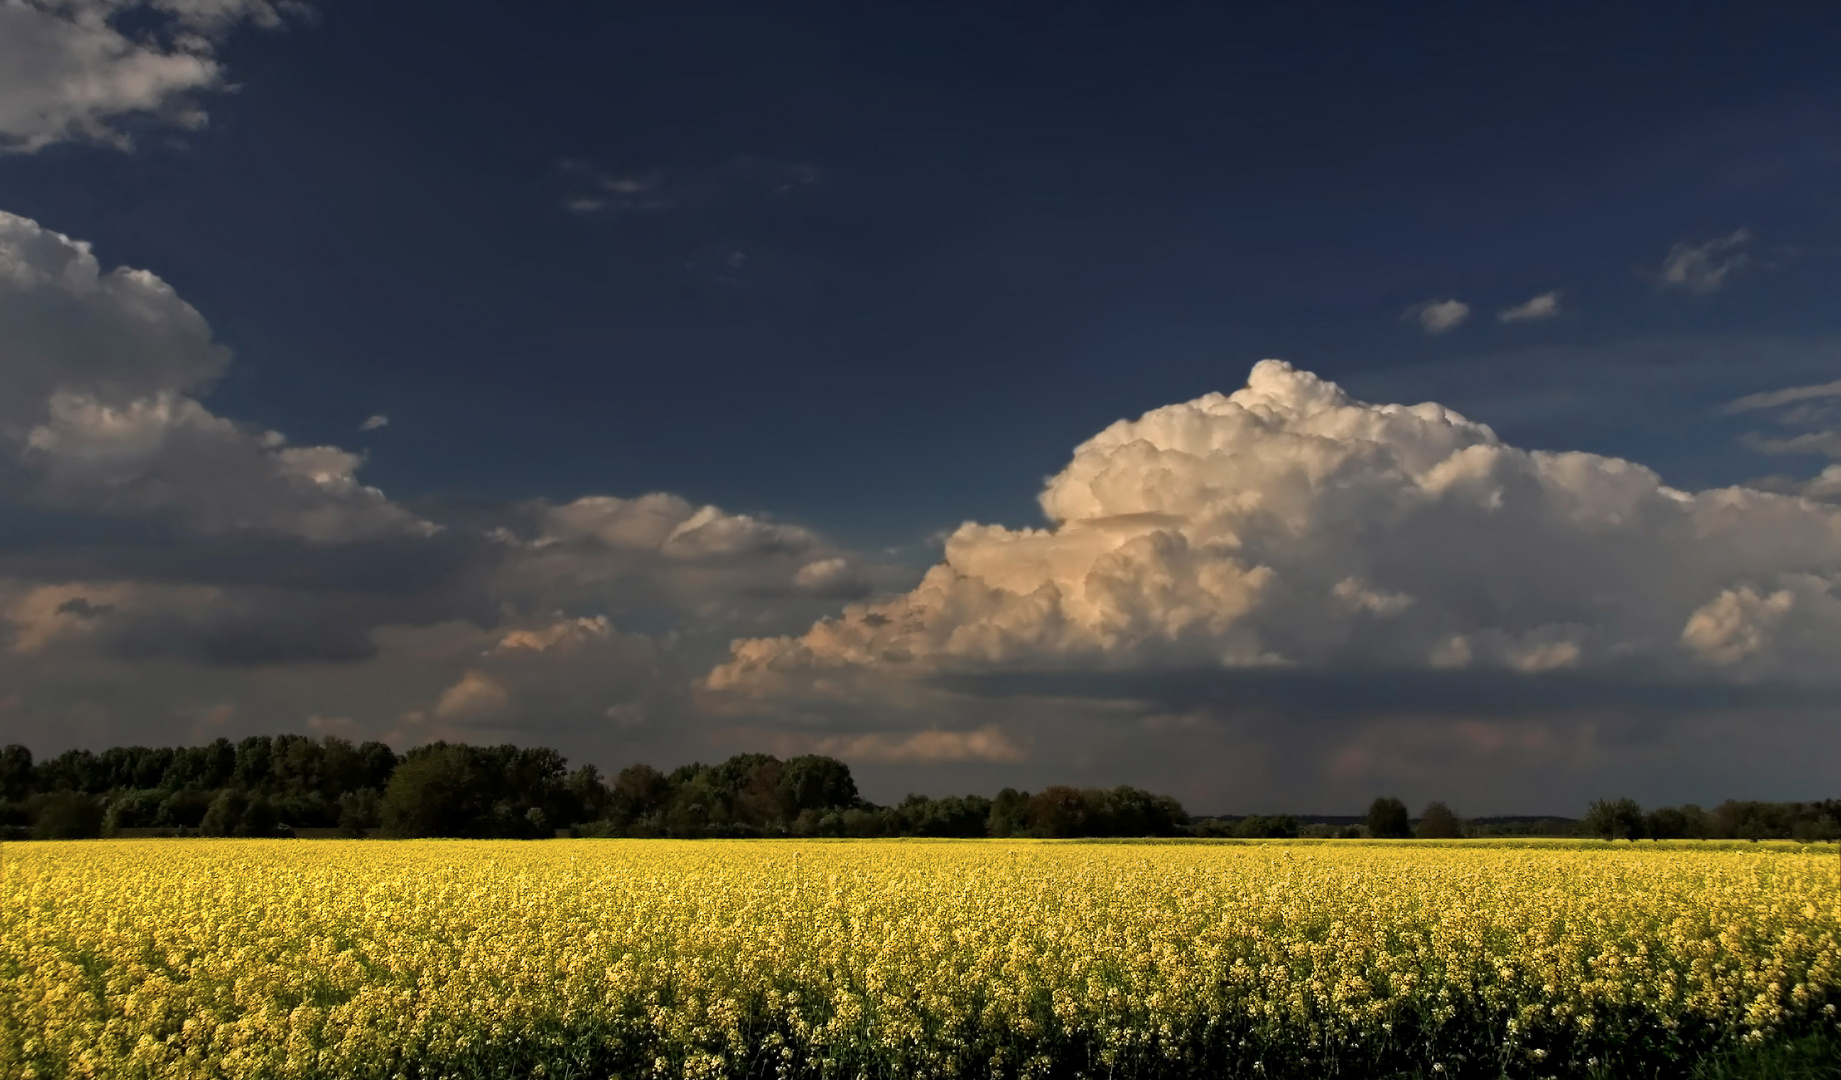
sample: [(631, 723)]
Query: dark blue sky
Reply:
[(894, 260)]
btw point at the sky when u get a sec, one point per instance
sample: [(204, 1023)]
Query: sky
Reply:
[(1275, 405)]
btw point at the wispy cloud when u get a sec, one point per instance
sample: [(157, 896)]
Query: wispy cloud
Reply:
[(592, 189), (1437, 316), (1771, 399), (1544, 306), (1827, 443), (1705, 268), (373, 422)]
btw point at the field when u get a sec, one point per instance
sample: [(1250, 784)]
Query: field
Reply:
[(584, 958)]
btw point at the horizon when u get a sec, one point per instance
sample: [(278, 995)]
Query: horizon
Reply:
[(1261, 406)]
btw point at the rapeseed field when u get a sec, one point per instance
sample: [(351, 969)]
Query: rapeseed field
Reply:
[(579, 959)]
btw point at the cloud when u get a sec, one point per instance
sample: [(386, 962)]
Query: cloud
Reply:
[(97, 373), (1437, 316), (1827, 443), (986, 744), (1771, 399), (1815, 406), (374, 421), (1290, 527), (1544, 306), (74, 70), (161, 563), (1705, 268)]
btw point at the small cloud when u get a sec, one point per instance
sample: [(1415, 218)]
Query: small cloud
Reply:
[(1704, 268), (1437, 316), (1827, 443), (372, 423), (1795, 407), (988, 743), (1544, 306), (1771, 399)]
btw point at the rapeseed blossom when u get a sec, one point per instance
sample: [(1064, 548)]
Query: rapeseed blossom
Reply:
[(308, 959)]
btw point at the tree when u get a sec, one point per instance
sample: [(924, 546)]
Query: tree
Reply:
[(1388, 820), (434, 792), (816, 782), (360, 811), (639, 790), (237, 813), (1257, 827), (1438, 823), (1613, 819), (1676, 823), (15, 773), (589, 796), (1007, 814), (67, 815)]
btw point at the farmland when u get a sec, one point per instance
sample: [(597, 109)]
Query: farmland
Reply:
[(258, 958)]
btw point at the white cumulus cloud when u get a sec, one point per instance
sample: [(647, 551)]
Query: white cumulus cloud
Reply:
[(1290, 526)]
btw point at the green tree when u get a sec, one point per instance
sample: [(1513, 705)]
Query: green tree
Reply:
[(1388, 819), (815, 782), (67, 815), (15, 773), (1007, 814), (1613, 819), (1438, 822), (436, 792)]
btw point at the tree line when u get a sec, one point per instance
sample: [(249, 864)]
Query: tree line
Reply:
[(293, 784)]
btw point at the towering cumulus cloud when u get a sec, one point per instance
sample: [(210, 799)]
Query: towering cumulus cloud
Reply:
[(1288, 525)]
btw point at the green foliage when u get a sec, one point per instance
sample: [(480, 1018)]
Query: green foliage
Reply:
[(15, 773), (1815, 1056), (1614, 819), (66, 815), (1438, 822), (237, 813), (1387, 819)]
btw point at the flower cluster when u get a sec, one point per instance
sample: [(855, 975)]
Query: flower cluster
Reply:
[(307, 959)]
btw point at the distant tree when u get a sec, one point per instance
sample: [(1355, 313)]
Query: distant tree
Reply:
[(1687, 822), (589, 797), (435, 792), (1438, 822), (253, 763), (964, 816), (73, 770), (67, 815), (235, 812), (638, 790), (1388, 819), (815, 782), (1257, 827), (360, 811), (1056, 812), (133, 810), (1007, 814), (15, 773), (1614, 819), (184, 809)]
